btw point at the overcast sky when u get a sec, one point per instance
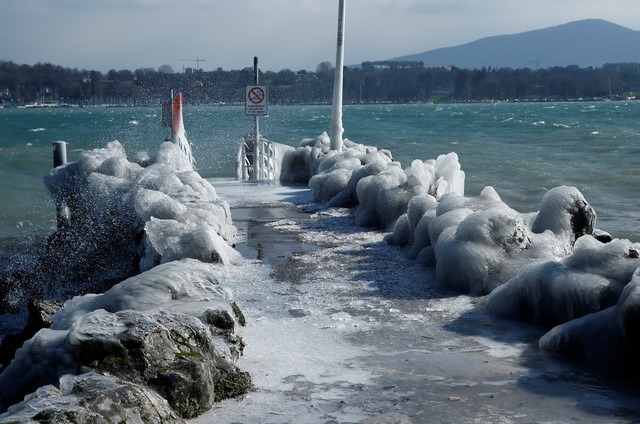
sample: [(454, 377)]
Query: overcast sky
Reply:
[(285, 34)]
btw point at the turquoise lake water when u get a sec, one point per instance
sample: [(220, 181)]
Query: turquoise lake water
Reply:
[(521, 149)]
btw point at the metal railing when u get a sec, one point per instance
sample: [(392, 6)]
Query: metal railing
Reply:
[(261, 168)]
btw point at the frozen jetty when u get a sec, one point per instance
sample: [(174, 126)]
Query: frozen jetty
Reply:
[(167, 329)]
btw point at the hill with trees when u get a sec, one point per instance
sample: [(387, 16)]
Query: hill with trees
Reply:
[(374, 82)]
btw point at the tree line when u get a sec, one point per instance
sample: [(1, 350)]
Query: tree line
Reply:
[(374, 82)]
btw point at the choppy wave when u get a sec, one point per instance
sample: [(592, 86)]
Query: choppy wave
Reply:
[(486, 135)]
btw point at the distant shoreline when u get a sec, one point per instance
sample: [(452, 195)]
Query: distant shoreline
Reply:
[(240, 104)]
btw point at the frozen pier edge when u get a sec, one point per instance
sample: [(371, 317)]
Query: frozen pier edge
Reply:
[(341, 325), (159, 344), (550, 267)]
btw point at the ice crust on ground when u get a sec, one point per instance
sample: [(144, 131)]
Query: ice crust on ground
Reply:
[(550, 267)]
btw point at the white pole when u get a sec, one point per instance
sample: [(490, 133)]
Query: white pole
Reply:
[(336, 109)]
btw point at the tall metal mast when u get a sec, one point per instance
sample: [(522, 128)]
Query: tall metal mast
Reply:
[(336, 108)]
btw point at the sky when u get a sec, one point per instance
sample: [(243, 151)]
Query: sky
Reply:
[(285, 34)]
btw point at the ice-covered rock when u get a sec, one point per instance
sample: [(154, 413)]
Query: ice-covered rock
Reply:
[(554, 292), (170, 328), (93, 398), (301, 164), (326, 185), (476, 259), (334, 175), (615, 260), (115, 206), (608, 339), (412, 228), (485, 242), (439, 177), (371, 208), (565, 212), (368, 179)]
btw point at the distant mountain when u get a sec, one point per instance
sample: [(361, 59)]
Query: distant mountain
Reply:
[(591, 42)]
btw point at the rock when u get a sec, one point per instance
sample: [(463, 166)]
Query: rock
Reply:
[(602, 236), (40, 313), (219, 319), (565, 210), (93, 398), (175, 355), (120, 401), (239, 315)]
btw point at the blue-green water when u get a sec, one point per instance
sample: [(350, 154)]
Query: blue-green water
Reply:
[(520, 149)]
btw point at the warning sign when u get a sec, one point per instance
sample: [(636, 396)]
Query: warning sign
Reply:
[(256, 102)]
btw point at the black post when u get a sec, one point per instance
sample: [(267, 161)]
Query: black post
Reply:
[(59, 159), (257, 157)]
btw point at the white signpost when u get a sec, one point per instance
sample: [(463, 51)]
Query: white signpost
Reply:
[(256, 102)]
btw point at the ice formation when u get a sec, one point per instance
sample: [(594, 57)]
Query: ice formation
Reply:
[(369, 178), (609, 338), (550, 267), (475, 243), (95, 330), (554, 292), (126, 218), (179, 137), (157, 222)]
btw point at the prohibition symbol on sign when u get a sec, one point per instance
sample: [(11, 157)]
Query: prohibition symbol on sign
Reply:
[(256, 100), (256, 95)]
